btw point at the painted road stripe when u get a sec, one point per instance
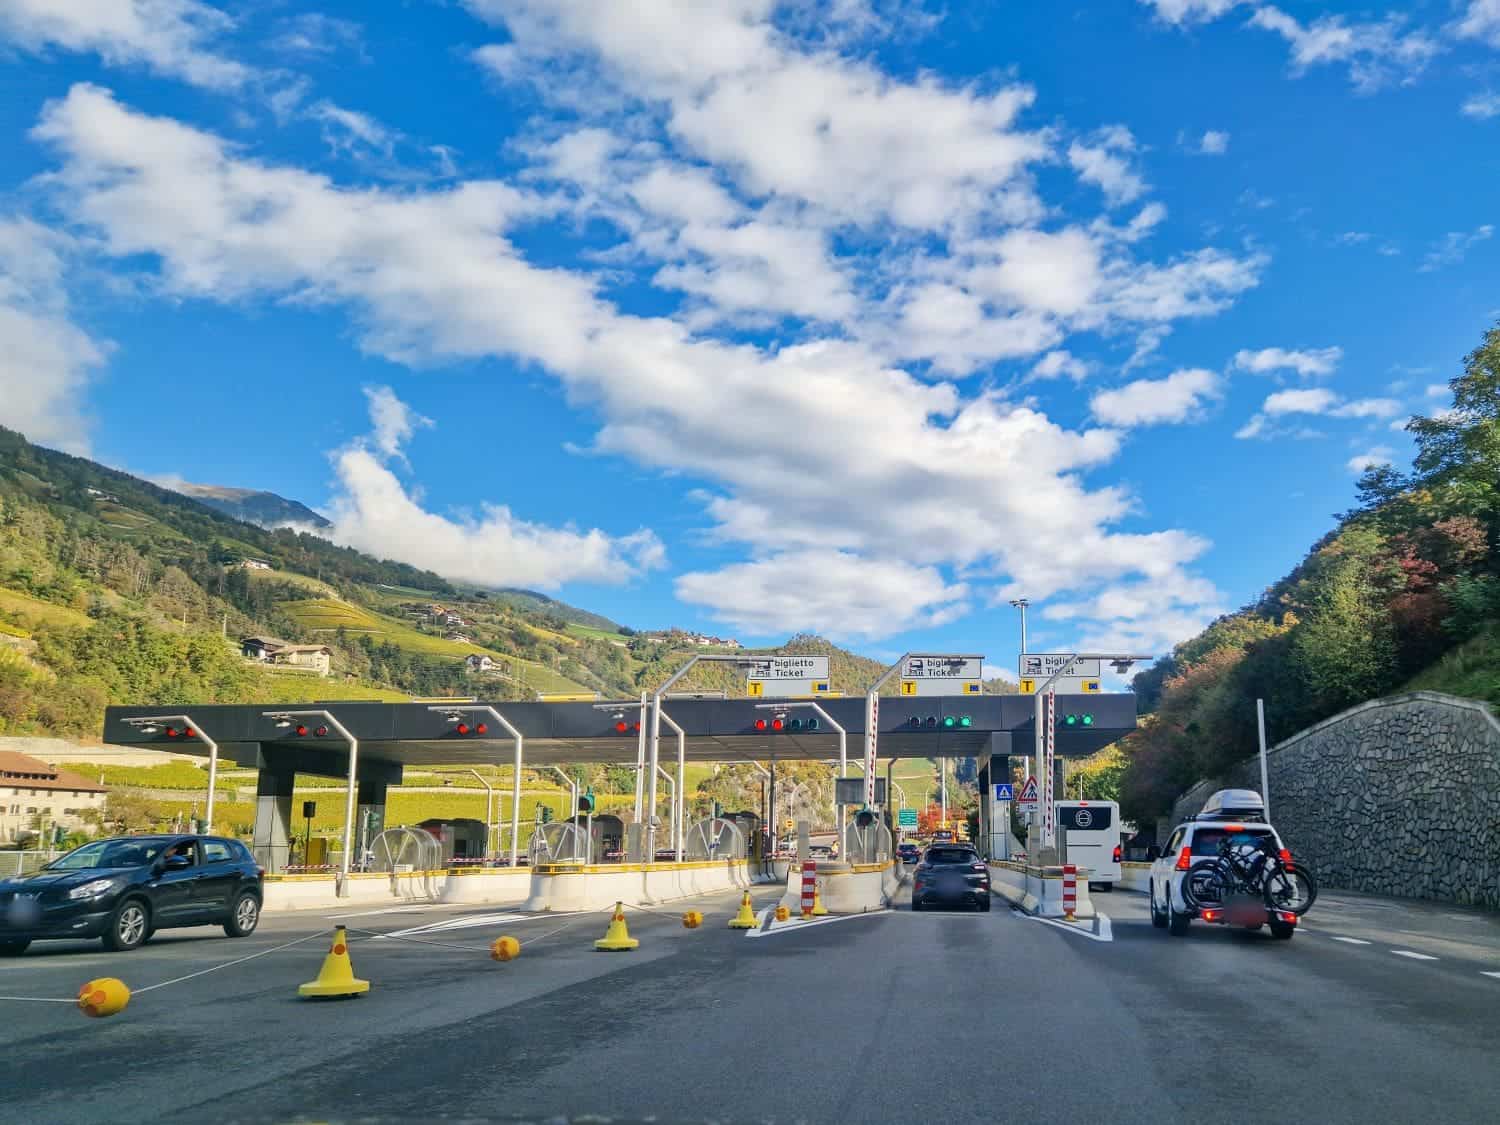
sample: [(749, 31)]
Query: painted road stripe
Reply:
[(1412, 955), (1485, 974), (472, 921), (386, 910), (1103, 929), (1352, 940), (798, 924)]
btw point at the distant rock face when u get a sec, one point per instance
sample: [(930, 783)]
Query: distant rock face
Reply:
[(263, 508), (1397, 796)]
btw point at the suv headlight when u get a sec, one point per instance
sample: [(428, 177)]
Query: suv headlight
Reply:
[(91, 889)]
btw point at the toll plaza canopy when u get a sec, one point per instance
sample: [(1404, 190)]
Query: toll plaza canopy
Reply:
[(716, 730)]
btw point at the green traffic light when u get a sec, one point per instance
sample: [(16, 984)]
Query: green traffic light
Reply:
[(965, 721), (812, 724), (947, 720), (1088, 720), (1071, 720)]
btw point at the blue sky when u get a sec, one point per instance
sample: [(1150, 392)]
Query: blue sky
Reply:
[(859, 317)]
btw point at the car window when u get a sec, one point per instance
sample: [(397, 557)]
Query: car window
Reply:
[(109, 853), (950, 855), (1091, 818), (241, 852), (183, 849), (217, 851), (1175, 842), (1206, 840)]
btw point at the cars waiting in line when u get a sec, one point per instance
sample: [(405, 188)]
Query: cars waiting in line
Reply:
[(123, 889), (908, 853), (951, 875)]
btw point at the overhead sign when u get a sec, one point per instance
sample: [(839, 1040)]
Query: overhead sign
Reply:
[(851, 791), (1042, 665), (1028, 687), (787, 675), (1005, 791), (942, 675), (907, 818), (1028, 792)]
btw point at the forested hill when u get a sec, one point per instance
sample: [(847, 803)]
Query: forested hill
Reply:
[(1403, 593), (114, 590)]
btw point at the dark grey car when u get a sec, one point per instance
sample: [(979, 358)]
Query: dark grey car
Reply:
[(951, 874)]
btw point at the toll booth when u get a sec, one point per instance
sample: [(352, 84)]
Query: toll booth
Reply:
[(457, 839), (608, 836)]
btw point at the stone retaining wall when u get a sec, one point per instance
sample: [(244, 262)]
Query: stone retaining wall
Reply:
[(1398, 796)]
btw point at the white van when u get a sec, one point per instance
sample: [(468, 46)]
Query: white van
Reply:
[(1093, 834)]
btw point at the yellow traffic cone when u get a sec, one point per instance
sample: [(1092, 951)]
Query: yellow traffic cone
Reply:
[(818, 910), (745, 919), (336, 978), (617, 938)]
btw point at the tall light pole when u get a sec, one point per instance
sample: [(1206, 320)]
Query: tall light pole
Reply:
[(151, 724), (453, 711), (284, 719), (809, 705), (1021, 604), (699, 658)]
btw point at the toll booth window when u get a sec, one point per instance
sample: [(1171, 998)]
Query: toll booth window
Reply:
[(1090, 819), (1206, 840)]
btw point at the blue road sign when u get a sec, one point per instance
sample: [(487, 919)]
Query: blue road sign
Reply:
[(1005, 791)]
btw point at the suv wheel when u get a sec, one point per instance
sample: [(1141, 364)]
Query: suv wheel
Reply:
[(244, 916), (1282, 931), (1158, 918), (128, 926), (1177, 924)]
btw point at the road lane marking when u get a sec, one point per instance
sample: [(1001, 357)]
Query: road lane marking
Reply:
[(388, 910), (1413, 955), (1104, 930), (1486, 974), (472, 921), (774, 927), (1353, 940)]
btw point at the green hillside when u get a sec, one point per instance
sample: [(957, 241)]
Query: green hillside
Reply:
[(1403, 593)]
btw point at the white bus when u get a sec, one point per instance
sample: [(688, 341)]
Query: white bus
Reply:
[(1093, 834)]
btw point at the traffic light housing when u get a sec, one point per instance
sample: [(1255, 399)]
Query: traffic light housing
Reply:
[(1074, 720), (586, 802), (544, 813)]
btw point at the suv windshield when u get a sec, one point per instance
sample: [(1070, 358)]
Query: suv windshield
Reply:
[(109, 853)]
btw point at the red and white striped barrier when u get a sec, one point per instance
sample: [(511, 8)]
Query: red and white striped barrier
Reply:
[(809, 887), (1070, 891)]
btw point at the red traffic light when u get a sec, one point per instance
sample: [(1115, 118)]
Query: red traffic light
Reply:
[(777, 724), (321, 732), (301, 730), (481, 729), (189, 733), (462, 728), (173, 732), (620, 727), (760, 724)]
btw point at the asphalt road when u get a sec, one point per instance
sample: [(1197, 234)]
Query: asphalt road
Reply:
[(897, 1016)]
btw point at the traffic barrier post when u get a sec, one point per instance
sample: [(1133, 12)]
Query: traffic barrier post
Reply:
[(1070, 892)]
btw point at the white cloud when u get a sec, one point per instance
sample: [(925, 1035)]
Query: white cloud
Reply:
[(170, 37), (1368, 408), (1372, 458), (1454, 245), (1215, 142), (348, 130), (1061, 362), (1481, 107), (1353, 238), (1481, 20), (1315, 400), (1177, 398), (46, 360), (1142, 617), (1305, 362), (922, 475), (313, 33), (1100, 163), (1190, 11), (1254, 428), (374, 512), (997, 672), (1376, 53), (837, 593), (1436, 390)]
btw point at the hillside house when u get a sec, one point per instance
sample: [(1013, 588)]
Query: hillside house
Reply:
[(317, 659), (480, 662), (30, 788), (462, 638), (254, 564)]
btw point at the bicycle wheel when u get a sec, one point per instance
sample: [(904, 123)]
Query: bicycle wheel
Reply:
[(1292, 890), (1205, 885)]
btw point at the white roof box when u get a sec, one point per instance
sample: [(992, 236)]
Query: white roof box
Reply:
[(1234, 804)]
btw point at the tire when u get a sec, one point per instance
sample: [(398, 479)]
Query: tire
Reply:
[(1158, 917), (127, 926), (1290, 890), (13, 948), (1282, 931), (244, 916), (1203, 886), (1104, 888), (984, 905), (916, 905), (1177, 924)]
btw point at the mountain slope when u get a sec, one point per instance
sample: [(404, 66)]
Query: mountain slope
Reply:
[(264, 509)]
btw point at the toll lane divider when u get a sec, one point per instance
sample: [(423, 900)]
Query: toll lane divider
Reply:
[(1039, 890), (848, 888)]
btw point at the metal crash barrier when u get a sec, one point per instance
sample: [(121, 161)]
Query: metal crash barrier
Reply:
[(715, 838)]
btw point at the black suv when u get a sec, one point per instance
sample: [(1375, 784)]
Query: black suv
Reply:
[(124, 889), (951, 873)]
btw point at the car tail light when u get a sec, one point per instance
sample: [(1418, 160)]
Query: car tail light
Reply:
[(1184, 858), (1288, 917), (1211, 915), (1286, 858), (1117, 853), (979, 867), (1234, 828)]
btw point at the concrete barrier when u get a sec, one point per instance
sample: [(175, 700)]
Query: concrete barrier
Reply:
[(319, 892), (505, 886), (566, 886), (847, 888), (1039, 890), (1135, 877)]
